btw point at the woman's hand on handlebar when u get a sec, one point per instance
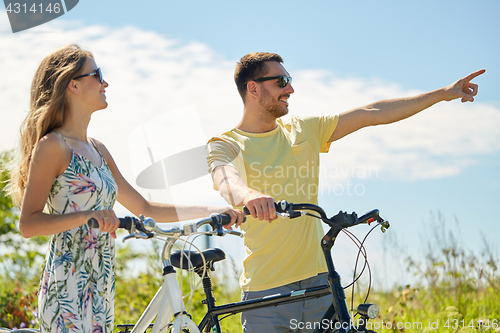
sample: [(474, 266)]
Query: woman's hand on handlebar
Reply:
[(108, 222), (261, 206), (237, 216)]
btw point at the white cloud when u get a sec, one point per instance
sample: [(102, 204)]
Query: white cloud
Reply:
[(151, 75), (438, 142)]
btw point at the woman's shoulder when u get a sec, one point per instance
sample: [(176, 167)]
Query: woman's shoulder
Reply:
[(52, 143), (53, 147)]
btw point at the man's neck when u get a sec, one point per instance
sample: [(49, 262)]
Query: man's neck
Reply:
[(257, 122)]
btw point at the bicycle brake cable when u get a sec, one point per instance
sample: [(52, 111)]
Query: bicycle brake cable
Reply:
[(367, 263), (192, 285), (362, 250), (316, 216)]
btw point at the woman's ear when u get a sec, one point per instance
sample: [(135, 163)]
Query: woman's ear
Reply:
[(73, 86)]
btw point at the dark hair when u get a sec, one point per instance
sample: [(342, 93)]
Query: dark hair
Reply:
[(250, 67)]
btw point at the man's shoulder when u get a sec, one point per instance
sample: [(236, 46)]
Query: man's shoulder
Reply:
[(224, 142), (302, 122), (308, 118), (225, 137), (312, 122), (222, 150)]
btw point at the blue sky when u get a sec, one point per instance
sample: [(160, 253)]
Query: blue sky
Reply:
[(163, 56), (412, 43)]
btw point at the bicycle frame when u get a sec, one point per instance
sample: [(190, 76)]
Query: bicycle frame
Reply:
[(336, 318), (211, 318), (166, 303), (338, 311)]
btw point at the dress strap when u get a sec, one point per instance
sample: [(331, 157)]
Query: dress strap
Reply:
[(90, 139), (63, 139), (59, 135), (95, 146)]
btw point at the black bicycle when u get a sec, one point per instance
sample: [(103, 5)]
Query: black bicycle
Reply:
[(336, 319)]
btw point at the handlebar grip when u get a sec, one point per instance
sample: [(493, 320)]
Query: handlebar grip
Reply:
[(92, 223), (225, 219), (125, 223), (281, 207)]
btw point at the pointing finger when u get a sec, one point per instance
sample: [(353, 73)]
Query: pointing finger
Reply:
[(473, 75)]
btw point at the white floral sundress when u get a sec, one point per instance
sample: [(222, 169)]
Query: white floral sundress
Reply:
[(78, 283)]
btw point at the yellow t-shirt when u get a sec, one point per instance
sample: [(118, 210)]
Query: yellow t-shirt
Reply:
[(282, 163)]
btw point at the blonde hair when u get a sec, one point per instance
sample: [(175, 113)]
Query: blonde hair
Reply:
[(47, 107)]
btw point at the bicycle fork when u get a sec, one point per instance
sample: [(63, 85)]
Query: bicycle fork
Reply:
[(337, 312), (337, 316)]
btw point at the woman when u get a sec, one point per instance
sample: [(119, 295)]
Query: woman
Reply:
[(65, 178)]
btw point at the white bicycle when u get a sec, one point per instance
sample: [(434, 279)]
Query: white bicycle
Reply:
[(167, 306)]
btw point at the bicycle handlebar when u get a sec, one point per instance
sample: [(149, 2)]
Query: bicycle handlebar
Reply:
[(148, 228), (342, 219)]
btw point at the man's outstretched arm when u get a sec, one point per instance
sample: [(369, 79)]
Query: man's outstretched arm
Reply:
[(393, 110)]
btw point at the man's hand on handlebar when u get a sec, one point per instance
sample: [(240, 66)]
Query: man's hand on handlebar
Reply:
[(237, 218), (261, 206)]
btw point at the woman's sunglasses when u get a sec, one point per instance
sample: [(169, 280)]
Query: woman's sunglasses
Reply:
[(283, 80), (97, 73)]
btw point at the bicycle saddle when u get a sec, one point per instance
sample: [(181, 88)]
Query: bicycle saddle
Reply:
[(211, 256)]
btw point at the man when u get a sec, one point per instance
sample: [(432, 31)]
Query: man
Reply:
[(264, 159)]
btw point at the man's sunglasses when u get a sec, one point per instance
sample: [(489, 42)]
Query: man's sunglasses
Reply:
[(283, 80), (97, 73)]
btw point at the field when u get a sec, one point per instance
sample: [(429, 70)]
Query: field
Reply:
[(459, 291)]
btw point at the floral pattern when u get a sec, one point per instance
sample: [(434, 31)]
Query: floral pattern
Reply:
[(78, 282)]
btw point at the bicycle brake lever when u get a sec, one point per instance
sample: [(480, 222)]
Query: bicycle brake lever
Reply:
[(140, 235), (236, 233), (384, 226), (293, 215), (128, 237)]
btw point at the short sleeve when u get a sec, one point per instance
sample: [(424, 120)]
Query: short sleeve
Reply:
[(221, 152), (323, 127)]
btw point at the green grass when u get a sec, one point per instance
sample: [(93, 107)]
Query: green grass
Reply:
[(456, 290)]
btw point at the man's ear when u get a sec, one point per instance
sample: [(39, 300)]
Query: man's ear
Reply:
[(73, 86), (252, 89)]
